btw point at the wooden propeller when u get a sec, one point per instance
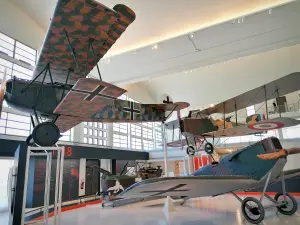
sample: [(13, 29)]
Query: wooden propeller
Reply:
[(280, 153)]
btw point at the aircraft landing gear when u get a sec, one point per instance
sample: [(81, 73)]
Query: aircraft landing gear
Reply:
[(209, 148), (288, 204), (253, 210), (44, 134), (190, 150)]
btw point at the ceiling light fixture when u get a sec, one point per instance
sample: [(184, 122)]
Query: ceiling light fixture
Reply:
[(192, 35), (154, 47), (211, 105), (270, 11)]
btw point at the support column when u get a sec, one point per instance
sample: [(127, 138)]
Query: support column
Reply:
[(165, 150)]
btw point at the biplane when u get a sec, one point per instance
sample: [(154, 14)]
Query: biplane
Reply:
[(256, 166), (79, 35), (200, 125)]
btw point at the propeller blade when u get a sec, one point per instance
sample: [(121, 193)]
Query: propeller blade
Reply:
[(225, 151), (279, 154), (2, 91), (273, 155)]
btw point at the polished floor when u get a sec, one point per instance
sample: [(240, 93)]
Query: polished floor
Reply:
[(222, 210)]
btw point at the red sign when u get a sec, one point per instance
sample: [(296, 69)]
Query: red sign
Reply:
[(68, 151)]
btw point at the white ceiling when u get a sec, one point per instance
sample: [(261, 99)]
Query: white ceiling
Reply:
[(158, 20), (256, 33)]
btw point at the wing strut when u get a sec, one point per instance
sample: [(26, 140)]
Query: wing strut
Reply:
[(265, 89), (66, 82), (73, 52), (91, 41), (24, 89), (277, 103), (235, 111), (224, 113)]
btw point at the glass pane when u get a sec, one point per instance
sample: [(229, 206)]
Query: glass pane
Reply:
[(17, 132), (95, 133), (85, 140), (95, 141), (15, 117), (85, 130), (25, 48)]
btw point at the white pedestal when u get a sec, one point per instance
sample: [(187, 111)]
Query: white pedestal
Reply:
[(169, 205)]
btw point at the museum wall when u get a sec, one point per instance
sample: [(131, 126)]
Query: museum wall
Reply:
[(12, 20)]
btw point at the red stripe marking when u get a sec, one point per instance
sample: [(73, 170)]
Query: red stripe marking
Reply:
[(68, 208)]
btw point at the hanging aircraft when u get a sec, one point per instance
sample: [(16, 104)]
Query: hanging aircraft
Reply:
[(199, 125), (252, 167), (79, 35)]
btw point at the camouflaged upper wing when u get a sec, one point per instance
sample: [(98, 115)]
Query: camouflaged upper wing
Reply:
[(82, 20)]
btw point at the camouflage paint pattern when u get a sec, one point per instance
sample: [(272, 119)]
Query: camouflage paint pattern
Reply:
[(92, 100), (81, 19)]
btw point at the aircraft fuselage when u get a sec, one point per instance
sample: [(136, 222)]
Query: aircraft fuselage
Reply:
[(44, 103)]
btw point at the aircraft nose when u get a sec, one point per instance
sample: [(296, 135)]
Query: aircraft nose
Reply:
[(8, 87)]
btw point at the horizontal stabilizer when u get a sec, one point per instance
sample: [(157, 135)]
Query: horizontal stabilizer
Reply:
[(170, 106)]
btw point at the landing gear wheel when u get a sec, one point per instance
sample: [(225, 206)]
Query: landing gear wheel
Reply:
[(190, 150), (45, 134), (29, 140), (253, 210), (209, 148), (288, 207)]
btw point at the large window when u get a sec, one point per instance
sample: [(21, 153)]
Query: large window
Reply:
[(13, 124), (17, 50), (95, 133), (120, 135), (158, 135)]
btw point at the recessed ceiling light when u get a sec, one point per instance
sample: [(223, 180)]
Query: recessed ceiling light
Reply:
[(108, 60), (192, 35), (191, 71), (211, 105), (154, 47)]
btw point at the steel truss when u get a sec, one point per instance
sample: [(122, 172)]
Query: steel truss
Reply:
[(47, 152)]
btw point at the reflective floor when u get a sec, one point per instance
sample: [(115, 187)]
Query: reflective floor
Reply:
[(221, 210)]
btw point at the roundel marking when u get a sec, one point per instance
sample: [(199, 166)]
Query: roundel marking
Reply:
[(266, 126)]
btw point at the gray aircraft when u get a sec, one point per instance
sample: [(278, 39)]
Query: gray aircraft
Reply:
[(252, 167)]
